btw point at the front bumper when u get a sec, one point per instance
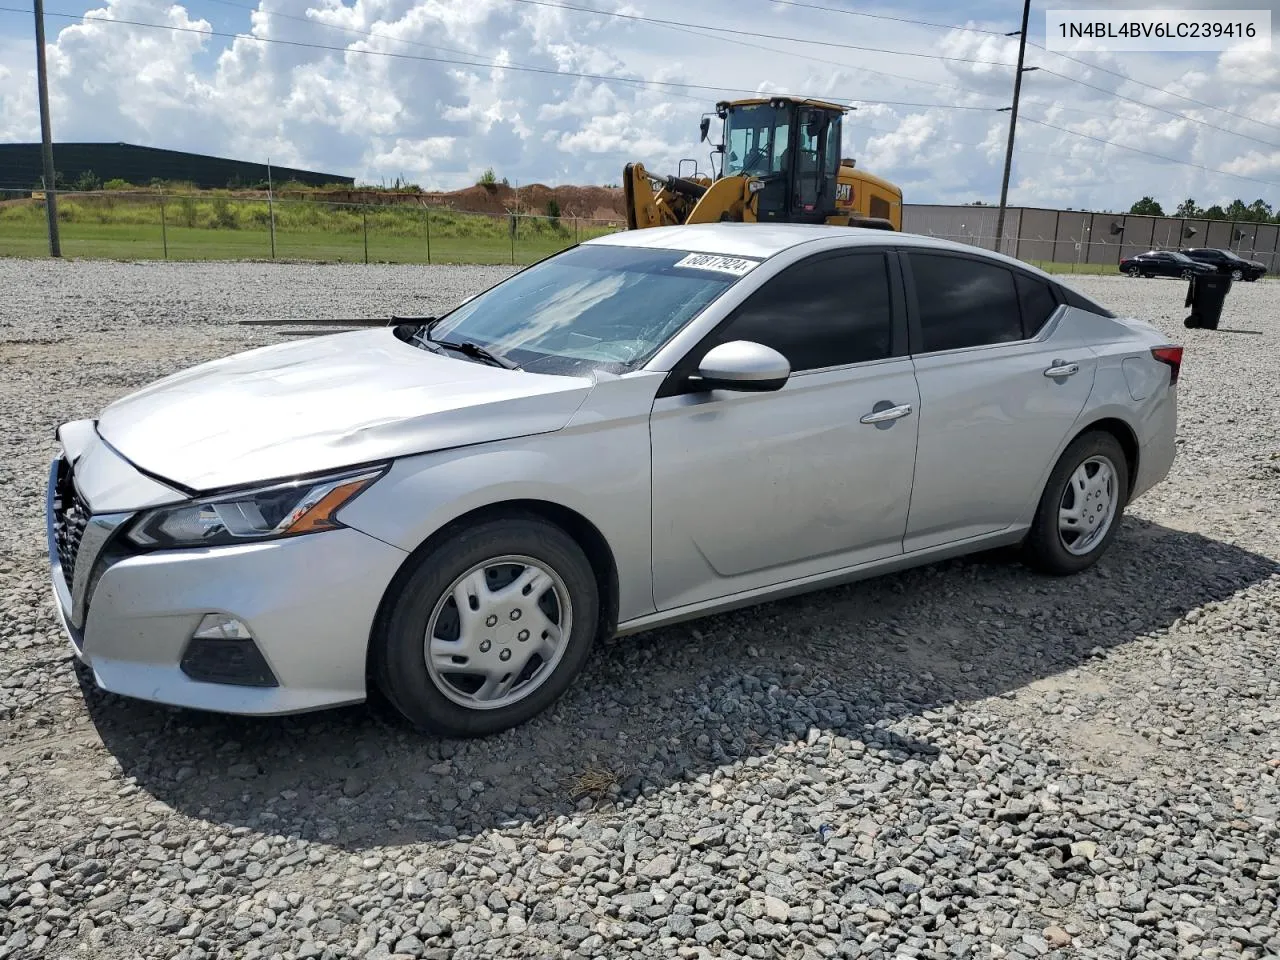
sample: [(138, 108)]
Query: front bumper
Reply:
[(308, 601)]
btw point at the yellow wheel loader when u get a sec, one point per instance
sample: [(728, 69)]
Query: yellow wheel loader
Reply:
[(779, 163)]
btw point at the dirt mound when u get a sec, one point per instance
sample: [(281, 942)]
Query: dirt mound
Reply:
[(586, 203), (603, 203)]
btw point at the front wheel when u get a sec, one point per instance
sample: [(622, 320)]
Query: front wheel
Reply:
[(1236, 274), (1186, 274), (1080, 509), (489, 628)]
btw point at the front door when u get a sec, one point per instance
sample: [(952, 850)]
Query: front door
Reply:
[(756, 489)]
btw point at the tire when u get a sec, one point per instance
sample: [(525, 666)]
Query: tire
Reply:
[(1045, 548), (1236, 274), (1187, 274), (1134, 272), (439, 700)]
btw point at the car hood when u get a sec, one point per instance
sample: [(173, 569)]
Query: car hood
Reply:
[(325, 403)]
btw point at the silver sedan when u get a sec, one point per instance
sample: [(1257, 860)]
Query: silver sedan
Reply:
[(649, 427)]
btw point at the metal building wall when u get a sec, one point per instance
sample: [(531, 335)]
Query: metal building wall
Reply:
[(1077, 237)]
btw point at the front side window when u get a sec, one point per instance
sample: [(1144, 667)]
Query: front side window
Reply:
[(756, 140), (826, 312), (592, 308), (964, 302)]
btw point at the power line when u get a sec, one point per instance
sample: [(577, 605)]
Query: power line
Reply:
[(1149, 86), (1038, 46), (525, 69), (491, 62), (691, 32), (831, 63), (882, 16), (1148, 153), (1150, 106), (545, 71), (765, 36), (556, 4), (356, 30), (1031, 43)]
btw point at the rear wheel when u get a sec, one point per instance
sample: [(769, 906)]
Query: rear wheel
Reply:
[(1134, 272), (489, 628), (1080, 509)]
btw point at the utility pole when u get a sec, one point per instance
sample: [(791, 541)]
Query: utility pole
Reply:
[(46, 136), (271, 209), (1013, 120)]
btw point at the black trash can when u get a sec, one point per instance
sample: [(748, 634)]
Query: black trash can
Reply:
[(1205, 296)]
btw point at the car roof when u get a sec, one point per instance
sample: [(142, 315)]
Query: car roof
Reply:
[(764, 240)]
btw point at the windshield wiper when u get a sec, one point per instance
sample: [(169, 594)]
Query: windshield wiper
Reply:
[(471, 349)]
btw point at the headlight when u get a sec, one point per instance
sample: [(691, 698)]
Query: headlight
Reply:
[(282, 510)]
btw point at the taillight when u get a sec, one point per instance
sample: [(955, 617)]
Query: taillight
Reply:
[(1170, 357)]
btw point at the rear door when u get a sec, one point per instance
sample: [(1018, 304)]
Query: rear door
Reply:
[(1001, 383)]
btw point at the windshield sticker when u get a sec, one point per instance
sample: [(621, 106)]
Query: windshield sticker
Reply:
[(736, 266)]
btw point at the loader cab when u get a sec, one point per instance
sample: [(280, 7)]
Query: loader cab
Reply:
[(792, 147)]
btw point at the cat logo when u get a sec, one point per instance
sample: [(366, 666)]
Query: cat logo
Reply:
[(844, 193)]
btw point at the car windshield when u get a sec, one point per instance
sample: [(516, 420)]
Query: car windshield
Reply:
[(592, 308), (1180, 256)]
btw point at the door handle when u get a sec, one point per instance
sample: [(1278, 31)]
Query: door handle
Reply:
[(1061, 368), (889, 413)]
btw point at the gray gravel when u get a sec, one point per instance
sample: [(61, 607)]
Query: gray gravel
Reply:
[(962, 760)]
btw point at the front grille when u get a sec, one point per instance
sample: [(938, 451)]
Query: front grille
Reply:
[(70, 517)]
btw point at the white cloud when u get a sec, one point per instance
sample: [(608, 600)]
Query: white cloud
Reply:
[(355, 110)]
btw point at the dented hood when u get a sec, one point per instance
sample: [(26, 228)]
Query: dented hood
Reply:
[(325, 403)]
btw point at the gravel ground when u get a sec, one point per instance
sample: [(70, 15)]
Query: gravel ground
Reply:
[(962, 760)]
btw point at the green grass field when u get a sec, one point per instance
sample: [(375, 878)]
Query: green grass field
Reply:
[(218, 229), (126, 226), (1049, 266)]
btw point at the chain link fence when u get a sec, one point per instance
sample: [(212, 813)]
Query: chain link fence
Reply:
[(138, 225), (126, 225)]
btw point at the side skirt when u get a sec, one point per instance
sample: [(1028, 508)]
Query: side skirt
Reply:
[(791, 588)]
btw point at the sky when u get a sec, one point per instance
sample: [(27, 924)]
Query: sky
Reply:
[(417, 90)]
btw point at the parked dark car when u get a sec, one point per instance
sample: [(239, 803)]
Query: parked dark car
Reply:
[(1224, 261), (1164, 263)]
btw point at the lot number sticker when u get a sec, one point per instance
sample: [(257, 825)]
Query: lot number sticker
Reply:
[(736, 266)]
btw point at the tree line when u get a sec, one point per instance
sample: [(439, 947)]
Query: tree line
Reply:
[(1257, 212)]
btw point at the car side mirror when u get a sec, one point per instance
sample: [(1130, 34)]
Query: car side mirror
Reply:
[(744, 366), (705, 127)]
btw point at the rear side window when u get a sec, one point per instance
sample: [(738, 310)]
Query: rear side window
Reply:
[(1037, 301), (824, 312), (964, 302)]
